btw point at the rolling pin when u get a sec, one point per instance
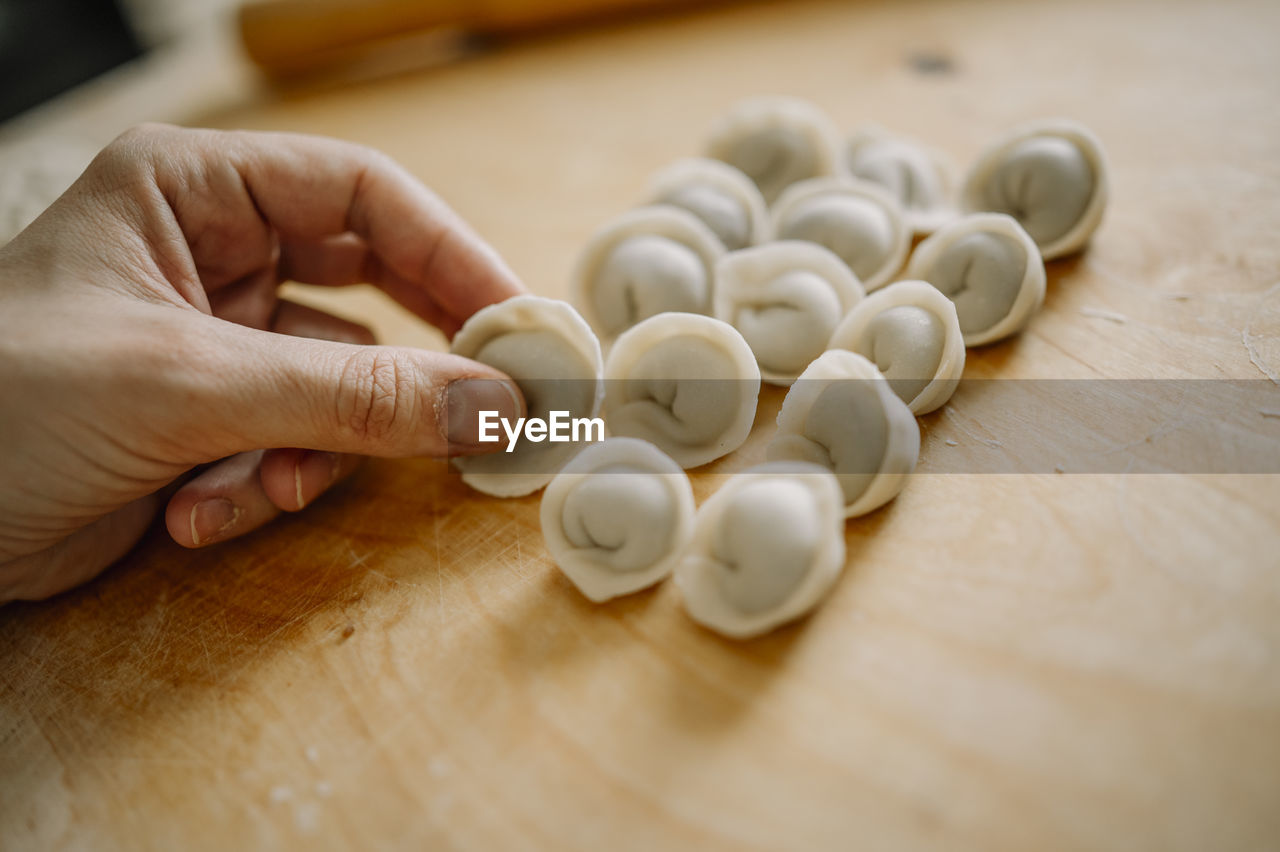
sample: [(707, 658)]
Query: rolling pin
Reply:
[(290, 37)]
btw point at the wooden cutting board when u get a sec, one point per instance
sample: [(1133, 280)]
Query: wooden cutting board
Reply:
[(1023, 661)]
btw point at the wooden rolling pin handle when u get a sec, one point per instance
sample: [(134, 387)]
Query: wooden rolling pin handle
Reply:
[(295, 36)]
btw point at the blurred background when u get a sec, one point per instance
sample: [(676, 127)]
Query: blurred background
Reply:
[(78, 72), (50, 46)]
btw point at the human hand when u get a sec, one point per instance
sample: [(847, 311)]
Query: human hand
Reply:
[(141, 335)]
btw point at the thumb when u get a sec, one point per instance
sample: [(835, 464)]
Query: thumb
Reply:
[(284, 391)]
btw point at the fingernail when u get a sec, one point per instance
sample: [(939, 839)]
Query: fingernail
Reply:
[(314, 472), (466, 398), (211, 518)]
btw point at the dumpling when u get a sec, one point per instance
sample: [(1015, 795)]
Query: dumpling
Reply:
[(1050, 176), (684, 382), (617, 517), (841, 414), (776, 141), (724, 199), (554, 358), (785, 298), (767, 546), (645, 262), (990, 268), (911, 173), (859, 221), (911, 332)]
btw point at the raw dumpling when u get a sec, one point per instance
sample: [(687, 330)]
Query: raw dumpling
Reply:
[(724, 199), (684, 382), (617, 517), (911, 332), (785, 298), (841, 414), (859, 221), (1050, 176), (776, 141), (767, 546), (555, 360), (911, 173), (989, 267), (645, 262)]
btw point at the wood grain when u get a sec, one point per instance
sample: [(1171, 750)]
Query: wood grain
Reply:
[(1010, 662)]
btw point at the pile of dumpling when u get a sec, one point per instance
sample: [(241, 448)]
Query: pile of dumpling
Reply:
[(772, 259)]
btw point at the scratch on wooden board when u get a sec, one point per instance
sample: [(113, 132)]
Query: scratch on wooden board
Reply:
[(1151, 437), (1099, 313), (951, 415), (357, 561), (153, 626), (208, 658), (522, 569), (1250, 340), (1267, 412), (1066, 351), (322, 581), (89, 663), (302, 611), (394, 581)]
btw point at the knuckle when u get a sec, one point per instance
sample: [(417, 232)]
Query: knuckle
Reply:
[(378, 404), (155, 147), (135, 144), (375, 159), (127, 165), (148, 132)]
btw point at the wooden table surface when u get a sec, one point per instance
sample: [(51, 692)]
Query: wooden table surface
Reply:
[(1010, 662)]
